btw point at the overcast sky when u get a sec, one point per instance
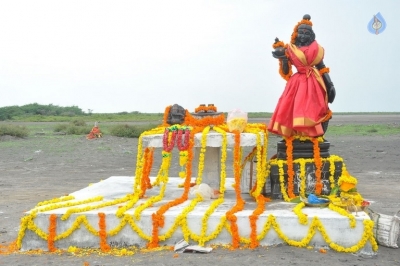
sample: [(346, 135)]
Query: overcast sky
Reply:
[(114, 56)]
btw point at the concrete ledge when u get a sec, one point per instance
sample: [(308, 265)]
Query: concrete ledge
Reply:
[(336, 226)]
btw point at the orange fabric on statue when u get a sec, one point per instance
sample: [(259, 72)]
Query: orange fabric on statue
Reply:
[(303, 104)]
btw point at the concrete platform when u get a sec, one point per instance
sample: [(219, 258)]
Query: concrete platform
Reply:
[(336, 226)]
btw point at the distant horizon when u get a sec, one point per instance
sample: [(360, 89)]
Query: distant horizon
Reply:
[(161, 112)]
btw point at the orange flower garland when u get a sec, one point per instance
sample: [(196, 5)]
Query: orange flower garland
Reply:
[(148, 163), (103, 233), (230, 215), (158, 217), (294, 34), (203, 122), (278, 44), (318, 165), (290, 172), (283, 75), (166, 113), (206, 109), (323, 70), (253, 220), (52, 232)]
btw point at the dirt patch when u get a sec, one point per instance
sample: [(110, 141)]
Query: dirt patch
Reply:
[(42, 167)]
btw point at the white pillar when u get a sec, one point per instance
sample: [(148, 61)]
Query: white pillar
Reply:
[(212, 167)]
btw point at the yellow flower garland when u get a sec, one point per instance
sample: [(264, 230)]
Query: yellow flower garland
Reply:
[(65, 204), (132, 201), (183, 157), (343, 212), (302, 178), (56, 200), (202, 154), (303, 219), (94, 207), (347, 178), (282, 181), (203, 238), (180, 218)]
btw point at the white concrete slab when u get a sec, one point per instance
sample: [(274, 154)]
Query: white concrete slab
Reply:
[(336, 226)]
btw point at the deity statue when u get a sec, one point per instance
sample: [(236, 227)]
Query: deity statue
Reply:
[(176, 115), (302, 109)]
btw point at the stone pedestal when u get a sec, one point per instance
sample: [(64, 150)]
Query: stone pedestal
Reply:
[(310, 179), (303, 150), (122, 234), (212, 159)]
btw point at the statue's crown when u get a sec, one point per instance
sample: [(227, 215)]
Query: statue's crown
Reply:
[(305, 23)]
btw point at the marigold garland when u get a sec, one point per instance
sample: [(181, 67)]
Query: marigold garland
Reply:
[(139, 165), (202, 154), (206, 121), (70, 211), (64, 204), (318, 166), (278, 44), (52, 232), (230, 215), (290, 73), (290, 171), (295, 30), (302, 177), (323, 70), (145, 181), (166, 113), (253, 220), (103, 232), (332, 168), (343, 212), (206, 109), (158, 217), (282, 180), (303, 219), (204, 222), (56, 200), (347, 178), (183, 158)]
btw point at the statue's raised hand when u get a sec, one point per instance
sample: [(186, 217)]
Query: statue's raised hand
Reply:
[(279, 52)]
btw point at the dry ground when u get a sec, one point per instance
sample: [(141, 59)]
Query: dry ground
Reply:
[(42, 167)]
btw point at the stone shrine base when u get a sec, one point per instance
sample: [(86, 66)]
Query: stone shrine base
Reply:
[(277, 221)]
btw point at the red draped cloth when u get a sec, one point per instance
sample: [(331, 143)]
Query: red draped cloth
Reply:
[(94, 133), (303, 104)]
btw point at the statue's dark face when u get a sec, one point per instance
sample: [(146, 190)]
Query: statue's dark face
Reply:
[(303, 36)]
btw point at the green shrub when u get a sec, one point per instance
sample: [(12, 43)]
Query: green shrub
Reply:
[(128, 131), (14, 130), (61, 128), (78, 122), (76, 127)]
